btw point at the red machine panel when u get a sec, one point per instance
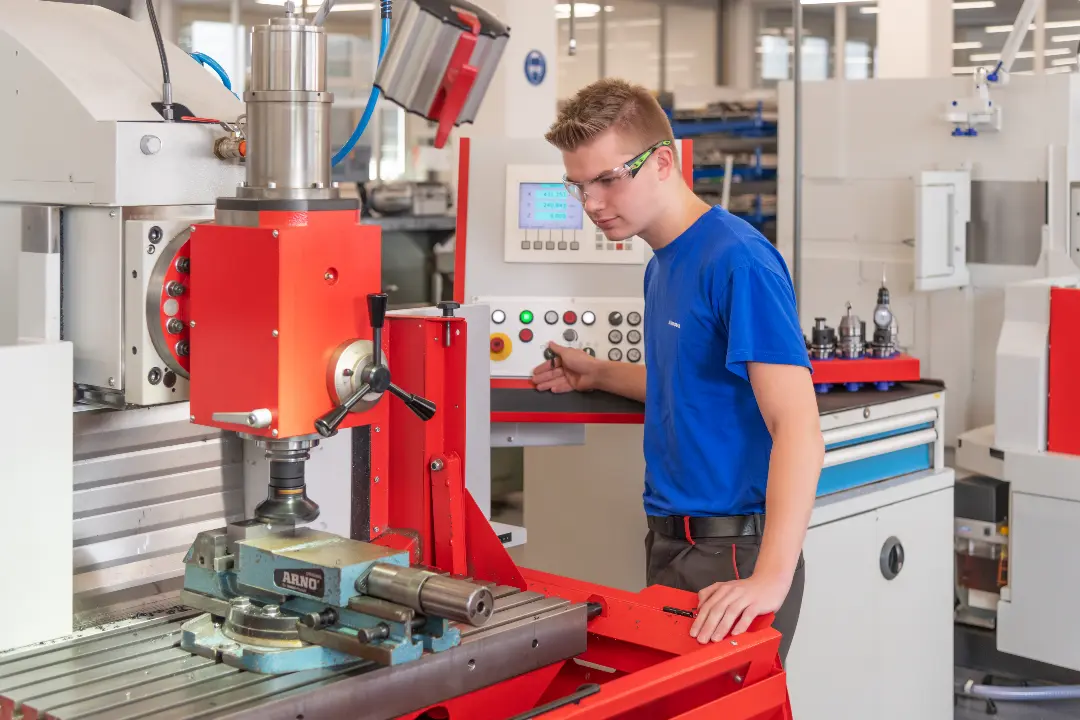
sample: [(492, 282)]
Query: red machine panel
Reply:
[(269, 305), (1063, 411)]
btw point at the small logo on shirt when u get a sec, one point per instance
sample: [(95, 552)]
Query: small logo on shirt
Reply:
[(674, 324)]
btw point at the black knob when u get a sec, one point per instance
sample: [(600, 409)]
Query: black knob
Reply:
[(549, 354), (376, 303), (615, 318), (448, 308)]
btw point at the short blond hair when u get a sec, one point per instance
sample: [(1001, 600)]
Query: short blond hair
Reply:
[(605, 104)]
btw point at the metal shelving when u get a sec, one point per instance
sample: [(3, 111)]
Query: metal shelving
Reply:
[(743, 134)]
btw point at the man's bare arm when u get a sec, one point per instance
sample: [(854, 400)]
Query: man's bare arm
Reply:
[(786, 399), (785, 396)]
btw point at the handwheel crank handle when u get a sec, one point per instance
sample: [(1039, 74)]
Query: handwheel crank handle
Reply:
[(328, 424)]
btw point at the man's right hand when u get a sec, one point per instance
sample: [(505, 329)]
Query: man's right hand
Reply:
[(573, 370)]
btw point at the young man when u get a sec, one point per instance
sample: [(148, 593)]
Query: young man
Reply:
[(733, 445)]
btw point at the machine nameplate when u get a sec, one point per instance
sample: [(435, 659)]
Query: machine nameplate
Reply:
[(302, 580)]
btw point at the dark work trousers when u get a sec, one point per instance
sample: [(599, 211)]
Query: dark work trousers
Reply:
[(684, 566)]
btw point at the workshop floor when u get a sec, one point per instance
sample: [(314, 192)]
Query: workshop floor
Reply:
[(967, 709)]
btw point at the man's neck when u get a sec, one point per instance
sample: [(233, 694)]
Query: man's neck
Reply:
[(683, 213)]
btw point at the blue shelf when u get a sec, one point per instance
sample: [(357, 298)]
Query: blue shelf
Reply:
[(738, 172), (742, 128), (744, 125)]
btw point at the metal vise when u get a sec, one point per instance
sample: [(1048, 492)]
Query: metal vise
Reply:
[(288, 599)]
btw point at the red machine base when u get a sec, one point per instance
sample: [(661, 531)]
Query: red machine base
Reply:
[(645, 663)]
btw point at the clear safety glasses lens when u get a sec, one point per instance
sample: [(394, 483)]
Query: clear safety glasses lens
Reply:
[(576, 191)]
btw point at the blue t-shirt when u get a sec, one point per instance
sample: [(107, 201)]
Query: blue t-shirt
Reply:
[(716, 298)]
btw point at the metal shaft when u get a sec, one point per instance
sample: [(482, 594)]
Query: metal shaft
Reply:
[(431, 594)]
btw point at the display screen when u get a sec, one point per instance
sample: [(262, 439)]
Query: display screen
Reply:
[(547, 206)]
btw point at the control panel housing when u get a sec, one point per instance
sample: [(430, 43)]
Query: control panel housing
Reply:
[(545, 224), (609, 328)]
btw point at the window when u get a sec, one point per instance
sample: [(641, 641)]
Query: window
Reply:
[(774, 51), (856, 60)]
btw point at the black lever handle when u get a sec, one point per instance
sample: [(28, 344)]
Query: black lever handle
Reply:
[(376, 303), (327, 425), (422, 407)]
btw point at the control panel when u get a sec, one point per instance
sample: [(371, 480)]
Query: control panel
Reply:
[(545, 224), (522, 327)]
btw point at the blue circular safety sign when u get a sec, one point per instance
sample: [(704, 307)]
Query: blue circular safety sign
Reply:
[(535, 67)]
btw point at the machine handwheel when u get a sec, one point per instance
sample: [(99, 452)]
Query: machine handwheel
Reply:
[(892, 558)]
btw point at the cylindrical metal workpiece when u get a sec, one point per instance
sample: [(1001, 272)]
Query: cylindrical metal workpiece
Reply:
[(456, 599), (288, 112), (431, 594)]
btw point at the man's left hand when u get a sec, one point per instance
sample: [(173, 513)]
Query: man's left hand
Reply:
[(730, 607)]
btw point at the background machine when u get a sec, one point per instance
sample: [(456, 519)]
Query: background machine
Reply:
[(974, 216), (178, 250)]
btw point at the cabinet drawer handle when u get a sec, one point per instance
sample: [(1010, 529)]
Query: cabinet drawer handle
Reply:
[(892, 558)]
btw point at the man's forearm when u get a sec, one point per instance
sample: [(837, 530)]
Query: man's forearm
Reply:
[(794, 469), (625, 379)]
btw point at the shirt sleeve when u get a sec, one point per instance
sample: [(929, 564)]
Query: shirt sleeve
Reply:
[(758, 311)]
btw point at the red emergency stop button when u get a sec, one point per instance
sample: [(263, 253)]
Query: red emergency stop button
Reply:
[(526, 335), (497, 345), (569, 317)]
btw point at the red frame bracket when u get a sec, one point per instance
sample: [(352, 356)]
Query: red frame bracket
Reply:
[(448, 497)]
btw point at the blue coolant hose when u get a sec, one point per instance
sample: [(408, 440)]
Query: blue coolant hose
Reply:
[(204, 59), (373, 99)]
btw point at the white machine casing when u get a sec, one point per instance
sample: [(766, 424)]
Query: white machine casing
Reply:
[(1035, 614), (88, 165)]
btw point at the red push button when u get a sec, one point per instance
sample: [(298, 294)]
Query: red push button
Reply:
[(497, 345), (526, 335), (569, 317)]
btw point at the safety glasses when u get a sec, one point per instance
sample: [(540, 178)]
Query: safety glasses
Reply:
[(609, 178)]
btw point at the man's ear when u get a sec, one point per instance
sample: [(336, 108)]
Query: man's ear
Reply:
[(665, 162)]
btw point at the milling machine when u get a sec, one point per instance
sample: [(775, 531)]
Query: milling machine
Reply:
[(273, 312)]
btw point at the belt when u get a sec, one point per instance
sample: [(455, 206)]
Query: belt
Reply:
[(688, 528)]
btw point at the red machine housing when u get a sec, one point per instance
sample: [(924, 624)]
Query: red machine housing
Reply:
[(1063, 403), (269, 305)]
